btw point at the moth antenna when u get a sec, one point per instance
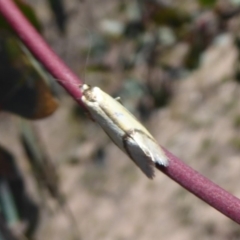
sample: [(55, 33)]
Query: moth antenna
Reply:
[(88, 52)]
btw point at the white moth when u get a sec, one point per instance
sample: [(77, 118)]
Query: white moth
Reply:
[(124, 129)]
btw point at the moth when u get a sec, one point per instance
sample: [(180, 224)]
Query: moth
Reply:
[(124, 129)]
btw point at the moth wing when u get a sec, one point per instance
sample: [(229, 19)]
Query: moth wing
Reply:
[(138, 155), (150, 148)]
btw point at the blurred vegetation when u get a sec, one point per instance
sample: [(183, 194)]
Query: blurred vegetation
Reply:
[(24, 91)]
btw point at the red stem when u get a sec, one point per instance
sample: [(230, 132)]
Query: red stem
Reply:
[(177, 170)]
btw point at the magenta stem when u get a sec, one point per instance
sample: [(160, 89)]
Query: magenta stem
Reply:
[(203, 188), (177, 170)]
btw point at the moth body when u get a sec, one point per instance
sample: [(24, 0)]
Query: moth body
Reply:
[(124, 129)]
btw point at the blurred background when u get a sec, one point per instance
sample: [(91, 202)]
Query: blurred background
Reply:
[(175, 65)]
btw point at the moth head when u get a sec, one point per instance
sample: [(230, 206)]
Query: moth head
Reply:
[(89, 93)]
